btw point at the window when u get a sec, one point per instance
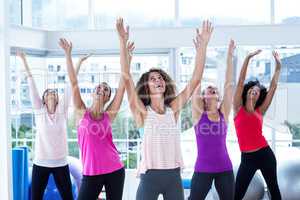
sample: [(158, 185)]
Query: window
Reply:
[(61, 79), (15, 11), (60, 15), (138, 13), (230, 12), (287, 11)]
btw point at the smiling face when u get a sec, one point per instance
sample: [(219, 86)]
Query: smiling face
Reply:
[(253, 94), (50, 99), (156, 83), (211, 95), (102, 92)]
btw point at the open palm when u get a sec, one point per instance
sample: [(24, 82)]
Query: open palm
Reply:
[(122, 31)]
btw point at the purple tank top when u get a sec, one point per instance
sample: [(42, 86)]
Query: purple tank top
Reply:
[(211, 144)]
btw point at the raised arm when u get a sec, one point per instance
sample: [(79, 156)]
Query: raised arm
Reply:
[(136, 105), (228, 86), (80, 61), (273, 86), (34, 95), (200, 43), (197, 104), (68, 89), (115, 105), (67, 47), (237, 99)]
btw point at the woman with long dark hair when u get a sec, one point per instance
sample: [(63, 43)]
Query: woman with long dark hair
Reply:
[(251, 102)]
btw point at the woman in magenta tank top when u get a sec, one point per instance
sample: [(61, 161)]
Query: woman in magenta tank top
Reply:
[(210, 123), (251, 101), (100, 159)]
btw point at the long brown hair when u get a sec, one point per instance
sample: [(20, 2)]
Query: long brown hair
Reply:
[(143, 90)]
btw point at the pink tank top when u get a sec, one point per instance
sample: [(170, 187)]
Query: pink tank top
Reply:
[(99, 155)]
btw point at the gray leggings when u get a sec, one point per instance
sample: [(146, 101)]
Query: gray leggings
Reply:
[(160, 181)]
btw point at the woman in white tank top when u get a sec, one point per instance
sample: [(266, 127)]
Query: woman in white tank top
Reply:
[(156, 107), (51, 147)]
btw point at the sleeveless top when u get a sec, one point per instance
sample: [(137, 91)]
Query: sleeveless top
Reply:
[(51, 146), (249, 130), (161, 148), (211, 144), (98, 153)]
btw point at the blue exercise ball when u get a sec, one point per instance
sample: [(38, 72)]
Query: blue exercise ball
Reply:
[(51, 192)]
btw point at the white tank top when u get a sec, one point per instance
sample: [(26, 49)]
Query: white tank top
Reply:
[(161, 148)]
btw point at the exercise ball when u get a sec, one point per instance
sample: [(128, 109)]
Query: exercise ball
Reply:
[(51, 192), (288, 173), (75, 167), (255, 190)]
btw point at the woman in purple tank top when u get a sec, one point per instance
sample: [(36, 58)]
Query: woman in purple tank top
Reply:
[(100, 159), (210, 124)]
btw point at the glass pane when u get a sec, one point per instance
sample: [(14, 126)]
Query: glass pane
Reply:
[(15, 11), (259, 66), (59, 15), (287, 11), (224, 12), (287, 98), (138, 13), (73, 149)]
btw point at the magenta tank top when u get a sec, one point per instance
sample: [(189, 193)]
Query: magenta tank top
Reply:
[(211, 144), (98, 153)]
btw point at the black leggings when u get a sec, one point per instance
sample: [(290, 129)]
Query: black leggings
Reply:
[(201, 184), (263, 159), (91, 186), (40, 176)]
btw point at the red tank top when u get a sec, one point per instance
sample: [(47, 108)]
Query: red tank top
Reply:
[(248, 128)]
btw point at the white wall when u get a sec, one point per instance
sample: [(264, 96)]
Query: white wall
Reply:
[(157, 38), (5, 143)]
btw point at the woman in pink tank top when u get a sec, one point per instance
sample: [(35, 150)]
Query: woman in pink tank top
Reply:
[(100, 159), (156, 107)]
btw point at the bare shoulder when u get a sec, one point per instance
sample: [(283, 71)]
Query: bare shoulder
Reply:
[(79, 114)]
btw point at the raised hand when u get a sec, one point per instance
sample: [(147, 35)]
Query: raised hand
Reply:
[(203, 37), (65, 45), (231, 47), (122, 31), (277, 60), (252, 54), (21, 54), (130, 48), (85, 57)]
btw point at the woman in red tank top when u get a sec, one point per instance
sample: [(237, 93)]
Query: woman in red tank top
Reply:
[(251, 101)]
